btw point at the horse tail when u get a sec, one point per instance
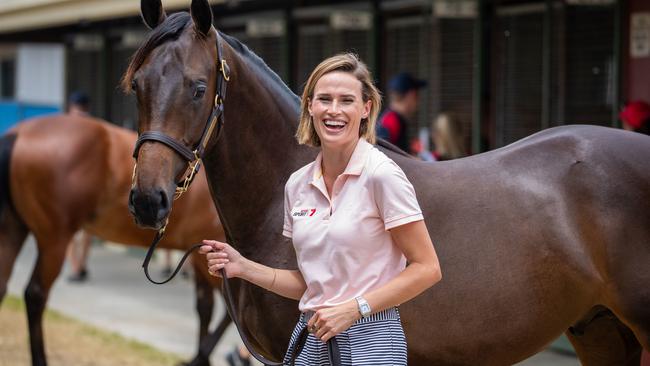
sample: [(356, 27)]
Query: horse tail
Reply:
[(13, 230)]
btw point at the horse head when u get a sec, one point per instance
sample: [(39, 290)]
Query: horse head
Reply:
[(174, 77)]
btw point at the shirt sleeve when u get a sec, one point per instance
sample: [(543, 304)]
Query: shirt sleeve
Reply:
[(394, 196), (287, 228)]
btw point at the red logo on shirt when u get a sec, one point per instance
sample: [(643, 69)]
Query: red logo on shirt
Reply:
[(307, 212)]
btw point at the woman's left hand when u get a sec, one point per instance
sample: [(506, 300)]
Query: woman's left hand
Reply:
[(328, 322)]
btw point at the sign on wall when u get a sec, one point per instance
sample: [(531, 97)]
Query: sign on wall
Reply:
[(640, 35)]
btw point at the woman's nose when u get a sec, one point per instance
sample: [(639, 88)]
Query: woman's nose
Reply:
[(334, 107)]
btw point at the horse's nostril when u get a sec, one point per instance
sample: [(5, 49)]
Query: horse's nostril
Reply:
[(131, 202), (164, 202)]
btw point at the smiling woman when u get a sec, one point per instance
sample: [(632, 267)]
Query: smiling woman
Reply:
[(354, 221)]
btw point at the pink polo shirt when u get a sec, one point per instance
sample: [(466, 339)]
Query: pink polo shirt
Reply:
[(342, 243)]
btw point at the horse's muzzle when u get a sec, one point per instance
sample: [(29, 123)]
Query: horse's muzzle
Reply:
[(149, 208)]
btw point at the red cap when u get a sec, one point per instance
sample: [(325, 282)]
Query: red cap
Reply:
[(635, 114)]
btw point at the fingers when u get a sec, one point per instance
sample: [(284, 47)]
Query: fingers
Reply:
[(214, 272), (218, 262), (205, 249), (216, 245), (326, 337), (216, 255)]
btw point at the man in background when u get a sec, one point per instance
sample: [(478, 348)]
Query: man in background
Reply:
[(403, 98)]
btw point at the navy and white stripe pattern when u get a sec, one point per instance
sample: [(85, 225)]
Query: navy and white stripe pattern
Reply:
[(377, 340)]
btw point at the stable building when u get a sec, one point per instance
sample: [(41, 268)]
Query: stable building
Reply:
[(507, 68)]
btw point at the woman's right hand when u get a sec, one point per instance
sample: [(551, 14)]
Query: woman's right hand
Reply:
[(222, 255)]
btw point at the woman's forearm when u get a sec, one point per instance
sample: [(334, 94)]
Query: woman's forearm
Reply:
[(416, 278), (284, 282)]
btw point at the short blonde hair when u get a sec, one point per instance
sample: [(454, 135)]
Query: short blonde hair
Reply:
[(345, 62)]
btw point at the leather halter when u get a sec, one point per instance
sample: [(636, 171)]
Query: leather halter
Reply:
[(193, 156)]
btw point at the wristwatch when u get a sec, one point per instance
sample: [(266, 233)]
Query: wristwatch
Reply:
[(364, 307)]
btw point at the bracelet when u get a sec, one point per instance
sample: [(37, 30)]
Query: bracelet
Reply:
[(273, 282)]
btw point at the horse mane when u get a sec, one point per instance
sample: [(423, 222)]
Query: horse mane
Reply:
[(265, 71), (169, 30)]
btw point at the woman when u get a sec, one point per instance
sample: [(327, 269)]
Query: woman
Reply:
[(447, 136), (354, 221)]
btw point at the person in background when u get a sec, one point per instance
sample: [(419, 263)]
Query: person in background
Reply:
[(403, 99), (447, 137), (636, 117), (79, 105)]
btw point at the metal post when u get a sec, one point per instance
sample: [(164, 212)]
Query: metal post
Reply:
[(478, 76), (547, 44), (619, 7)]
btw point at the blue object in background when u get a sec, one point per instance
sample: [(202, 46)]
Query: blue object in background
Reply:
[(9, 115), (13, 112)]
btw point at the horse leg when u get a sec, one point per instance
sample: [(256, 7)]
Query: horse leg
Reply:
[(47, 268), (205, 304), (601, 339), (12, 236)]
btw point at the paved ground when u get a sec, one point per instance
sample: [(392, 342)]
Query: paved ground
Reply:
[(119, 298)]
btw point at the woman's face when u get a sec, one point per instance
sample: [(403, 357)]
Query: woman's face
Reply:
[(337, 108)]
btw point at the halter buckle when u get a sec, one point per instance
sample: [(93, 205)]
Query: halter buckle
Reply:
[(225, 70)]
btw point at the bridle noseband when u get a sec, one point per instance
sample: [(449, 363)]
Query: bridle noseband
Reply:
[(193, 156)]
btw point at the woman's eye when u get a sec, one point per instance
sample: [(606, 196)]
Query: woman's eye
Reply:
[(199, 92), (134, 85)]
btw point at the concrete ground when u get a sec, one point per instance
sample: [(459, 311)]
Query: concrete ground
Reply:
[(119, 298)]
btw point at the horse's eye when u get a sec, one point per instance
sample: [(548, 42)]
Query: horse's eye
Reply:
[(134, 85), (199, 92)]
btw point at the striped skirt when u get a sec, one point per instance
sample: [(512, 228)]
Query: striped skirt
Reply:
[(377, 340)]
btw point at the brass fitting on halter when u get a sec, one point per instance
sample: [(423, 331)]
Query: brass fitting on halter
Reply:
[(135, 166), (194, 168), (225, 70)]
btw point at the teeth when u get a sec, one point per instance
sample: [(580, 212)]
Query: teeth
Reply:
[(335, 123)]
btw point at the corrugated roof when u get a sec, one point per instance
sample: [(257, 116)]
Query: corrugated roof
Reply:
[(24, 15)]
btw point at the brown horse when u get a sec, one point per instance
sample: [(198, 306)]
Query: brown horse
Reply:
[(65, 172), (548, 235)]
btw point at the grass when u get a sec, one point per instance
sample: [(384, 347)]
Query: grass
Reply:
[(71, 342)]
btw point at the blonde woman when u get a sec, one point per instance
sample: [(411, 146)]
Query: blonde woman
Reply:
[(354, 222), (447, 136)]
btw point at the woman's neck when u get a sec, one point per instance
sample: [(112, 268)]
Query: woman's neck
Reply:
[(336, 159)]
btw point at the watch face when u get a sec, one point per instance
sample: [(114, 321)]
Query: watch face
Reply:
[(365, 308)]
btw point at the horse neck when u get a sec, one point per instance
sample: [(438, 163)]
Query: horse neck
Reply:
[(256, 153)]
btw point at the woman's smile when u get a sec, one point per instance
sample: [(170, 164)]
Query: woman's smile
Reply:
[(334, 126)]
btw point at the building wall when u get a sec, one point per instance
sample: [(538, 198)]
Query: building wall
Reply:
[(40, 71), (637, 69)]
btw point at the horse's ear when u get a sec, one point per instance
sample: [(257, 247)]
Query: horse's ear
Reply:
[(152, 13), (201, 15)]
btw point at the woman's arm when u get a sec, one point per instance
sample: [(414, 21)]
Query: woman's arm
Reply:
[(287, 283), (422, 272)]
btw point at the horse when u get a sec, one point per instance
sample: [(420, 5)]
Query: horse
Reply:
[(62, 173), (545, 236)]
